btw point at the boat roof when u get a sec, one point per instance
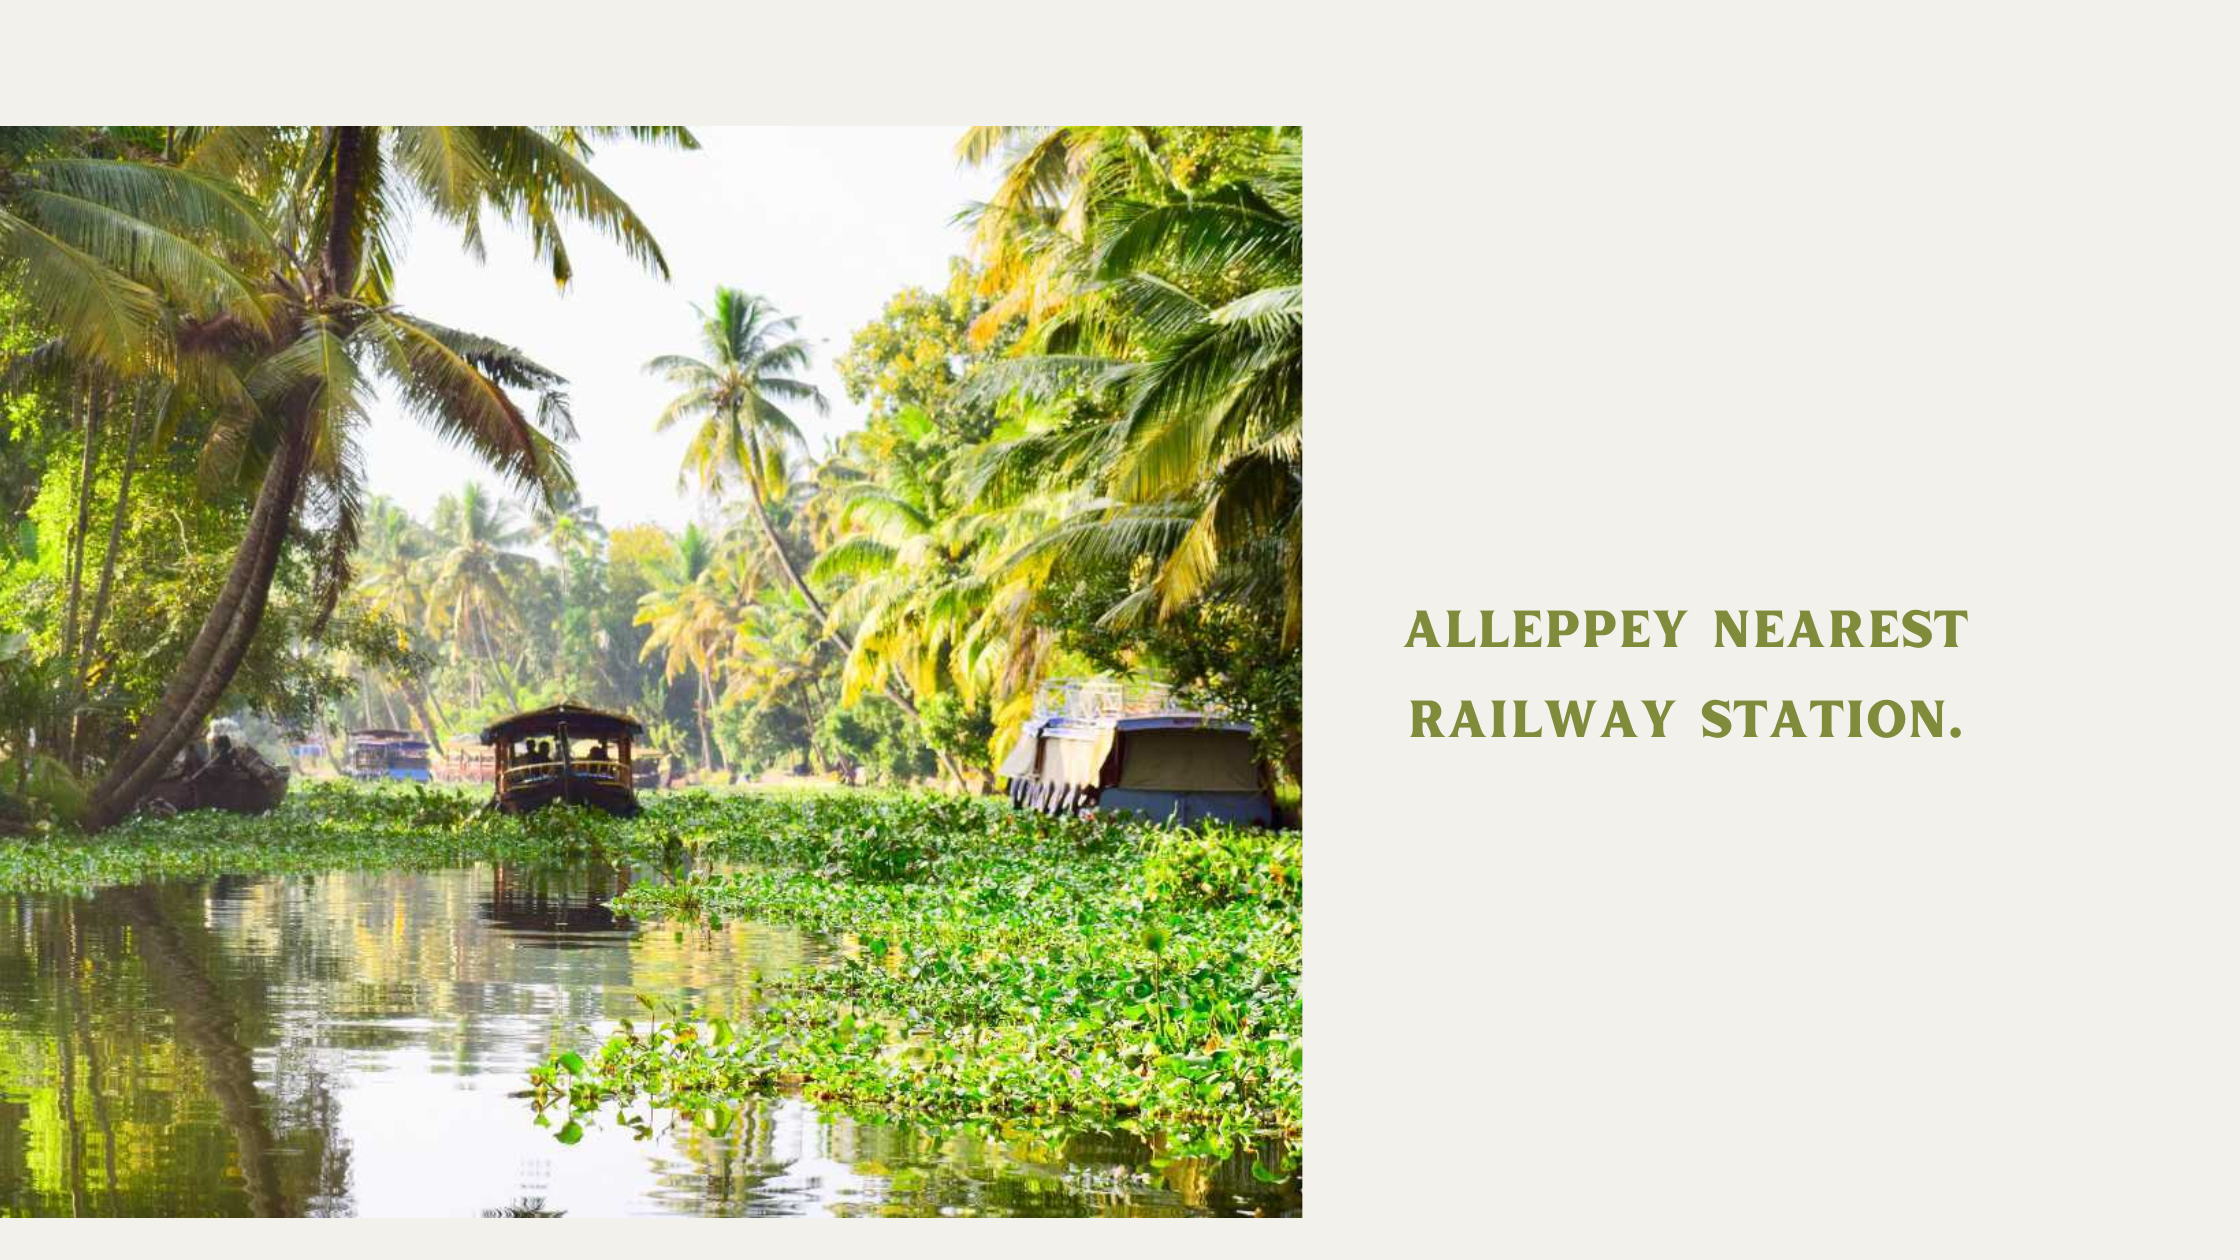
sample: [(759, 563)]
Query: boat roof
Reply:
[(582, 720), (380, 732)]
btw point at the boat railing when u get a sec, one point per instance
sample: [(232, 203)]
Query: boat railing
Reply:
[(1104, 699), (582, 768)]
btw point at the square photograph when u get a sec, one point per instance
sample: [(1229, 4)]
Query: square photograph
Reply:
[(567, 671)]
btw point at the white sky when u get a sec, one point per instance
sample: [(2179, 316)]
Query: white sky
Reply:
[(828, 222)]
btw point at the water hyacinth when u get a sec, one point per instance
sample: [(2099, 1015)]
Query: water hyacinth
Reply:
[(995, 965)]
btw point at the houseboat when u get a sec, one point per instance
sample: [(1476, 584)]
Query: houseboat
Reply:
[(568, 753), (378, 753), (1098, 744)]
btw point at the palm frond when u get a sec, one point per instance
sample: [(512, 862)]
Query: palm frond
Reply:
[(101, 315), (457, 400)]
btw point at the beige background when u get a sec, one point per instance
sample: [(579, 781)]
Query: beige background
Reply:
[(1736, 309), (1761, 305)]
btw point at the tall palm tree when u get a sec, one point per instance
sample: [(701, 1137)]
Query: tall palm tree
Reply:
[(291, 366), (392, 563), (566, 525), (738, 394), (470, 600), (906, 554), (394, 574)]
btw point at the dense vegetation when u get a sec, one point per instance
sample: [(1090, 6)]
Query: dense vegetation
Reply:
[(1002, 965), (1084, 454)]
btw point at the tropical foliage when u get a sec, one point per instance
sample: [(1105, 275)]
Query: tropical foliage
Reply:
[(1083, 454)]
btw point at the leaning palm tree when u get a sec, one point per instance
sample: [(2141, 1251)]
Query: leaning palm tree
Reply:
[(738, 394), (294, 372), (567, 525)]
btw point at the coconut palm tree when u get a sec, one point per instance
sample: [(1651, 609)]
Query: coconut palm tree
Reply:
[(292, 367), (738, 395), (392, 563), (395, 571), (566, 525), (904, 561), (470, 600)]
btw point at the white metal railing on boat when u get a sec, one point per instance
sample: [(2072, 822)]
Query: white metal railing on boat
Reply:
[(1105, 699)]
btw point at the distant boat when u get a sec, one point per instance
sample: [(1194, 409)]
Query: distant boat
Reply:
[(380, 753), (1094, 744), (568, 752)]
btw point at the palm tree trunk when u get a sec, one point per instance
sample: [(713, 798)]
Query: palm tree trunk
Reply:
[(700, 711), (102, 591), (793, 575), (416, 698), (427, 699), (218, 647), (482, 626), (96, 403)]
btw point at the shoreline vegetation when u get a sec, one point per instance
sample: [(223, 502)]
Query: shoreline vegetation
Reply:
[(991, 964)]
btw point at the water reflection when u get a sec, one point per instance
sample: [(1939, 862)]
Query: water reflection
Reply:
[(354, 1043)]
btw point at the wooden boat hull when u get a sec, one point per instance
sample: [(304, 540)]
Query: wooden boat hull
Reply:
[(233, 788), (601, 794)]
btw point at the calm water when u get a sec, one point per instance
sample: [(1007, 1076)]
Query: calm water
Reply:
[(350, 1044)]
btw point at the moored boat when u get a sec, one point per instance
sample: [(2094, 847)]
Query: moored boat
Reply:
[(231, 776), (1098, 745)]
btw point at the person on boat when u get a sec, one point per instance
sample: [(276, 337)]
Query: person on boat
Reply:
[(601, 760)]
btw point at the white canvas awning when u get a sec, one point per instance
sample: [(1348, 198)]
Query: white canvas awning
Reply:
[(1019, 762), (1075, 760)]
